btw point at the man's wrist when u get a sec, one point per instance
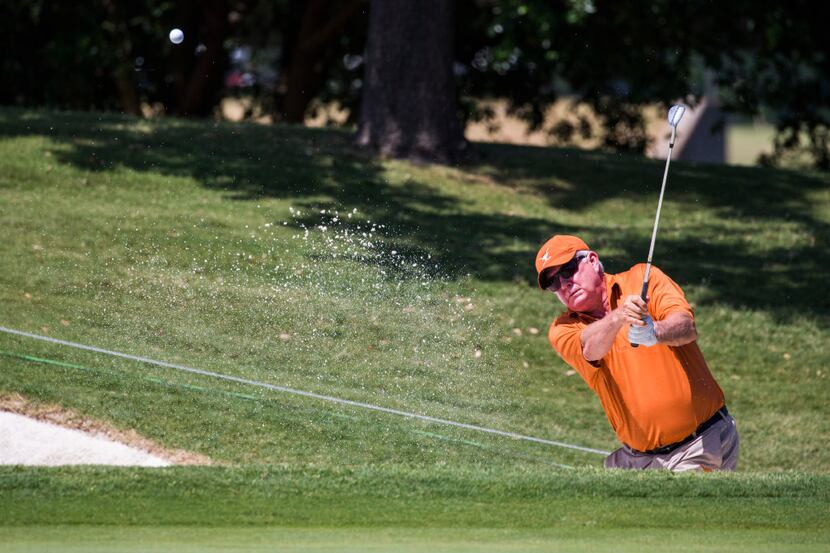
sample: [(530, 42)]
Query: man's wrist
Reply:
[(617, 317)]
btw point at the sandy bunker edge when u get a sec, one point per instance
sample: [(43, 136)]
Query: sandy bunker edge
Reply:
[(68, 419)]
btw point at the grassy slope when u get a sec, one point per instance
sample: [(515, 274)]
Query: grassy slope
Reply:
[(167, 239)]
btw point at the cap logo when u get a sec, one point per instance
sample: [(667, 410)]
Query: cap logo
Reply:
[(545, 257)]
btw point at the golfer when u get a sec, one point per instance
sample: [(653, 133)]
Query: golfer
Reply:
[(660, 398)]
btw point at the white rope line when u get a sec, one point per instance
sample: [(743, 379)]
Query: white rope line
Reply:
[(294, 391)]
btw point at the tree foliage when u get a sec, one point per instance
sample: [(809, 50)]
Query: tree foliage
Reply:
[(115, 55), (764, 57), (110, 54)]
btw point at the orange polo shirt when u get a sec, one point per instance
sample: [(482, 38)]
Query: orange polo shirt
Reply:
[(653, 396)]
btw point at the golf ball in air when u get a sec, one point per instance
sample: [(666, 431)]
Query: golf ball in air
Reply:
[(176, 36)]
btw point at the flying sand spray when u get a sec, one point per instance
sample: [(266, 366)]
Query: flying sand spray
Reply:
[(675, 114)]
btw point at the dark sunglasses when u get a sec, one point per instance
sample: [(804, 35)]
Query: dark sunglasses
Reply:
[(565, 272)]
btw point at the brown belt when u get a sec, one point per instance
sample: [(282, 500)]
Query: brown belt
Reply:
[(722, 412)]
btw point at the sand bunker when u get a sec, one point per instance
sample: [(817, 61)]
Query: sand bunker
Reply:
[(48, 435), (25, 441)]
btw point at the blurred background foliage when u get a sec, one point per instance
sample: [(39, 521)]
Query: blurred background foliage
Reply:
[(292, 59)]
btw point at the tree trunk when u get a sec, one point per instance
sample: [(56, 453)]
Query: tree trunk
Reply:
[(127, 94), (408, 107), (117, 38), (198, 81), (306, 67)]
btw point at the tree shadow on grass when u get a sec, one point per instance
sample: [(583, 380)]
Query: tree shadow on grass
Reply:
[(786, 281), (322, 169), (312, 168)]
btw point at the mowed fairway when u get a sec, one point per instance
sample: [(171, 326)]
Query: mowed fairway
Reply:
[(385, 508), (355, 540), (285, 256)]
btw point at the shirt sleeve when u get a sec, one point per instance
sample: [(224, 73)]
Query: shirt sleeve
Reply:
[(564, 336), (665, 296)]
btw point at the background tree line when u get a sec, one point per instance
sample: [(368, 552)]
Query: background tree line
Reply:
[(420, 68)]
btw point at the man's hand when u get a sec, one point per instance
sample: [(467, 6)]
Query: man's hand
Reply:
[(644, 335), (597, 338), (634, 310)]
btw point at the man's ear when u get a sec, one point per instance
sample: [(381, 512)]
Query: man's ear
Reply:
[(594, 259)]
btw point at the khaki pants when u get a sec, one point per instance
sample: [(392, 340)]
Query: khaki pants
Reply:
[(715, 449)]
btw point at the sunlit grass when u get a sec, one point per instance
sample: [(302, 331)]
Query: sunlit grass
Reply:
[(285, 255)]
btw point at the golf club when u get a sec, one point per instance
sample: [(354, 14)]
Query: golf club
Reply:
[(675, 114)]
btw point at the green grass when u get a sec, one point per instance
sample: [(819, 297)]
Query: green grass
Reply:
[(412, 509), (201, 244), (449, 540)]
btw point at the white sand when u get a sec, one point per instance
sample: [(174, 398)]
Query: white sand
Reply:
[(25, 441)]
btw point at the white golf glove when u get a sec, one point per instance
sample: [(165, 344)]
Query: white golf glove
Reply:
[(643, 335)]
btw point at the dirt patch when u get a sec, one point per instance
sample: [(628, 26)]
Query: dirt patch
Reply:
[(54, 414)]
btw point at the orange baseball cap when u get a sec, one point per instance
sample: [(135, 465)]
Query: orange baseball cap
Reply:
[(557, 251)]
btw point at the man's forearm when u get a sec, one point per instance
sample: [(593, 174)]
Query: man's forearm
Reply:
[(598, 337), (677, 329)]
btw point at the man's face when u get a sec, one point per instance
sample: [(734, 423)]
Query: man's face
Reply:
[(583, 291)]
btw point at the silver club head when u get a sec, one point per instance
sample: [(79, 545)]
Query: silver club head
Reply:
[(676, 114)]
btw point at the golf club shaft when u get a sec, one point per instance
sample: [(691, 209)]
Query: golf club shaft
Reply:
[(644, 291), (657, 219)]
